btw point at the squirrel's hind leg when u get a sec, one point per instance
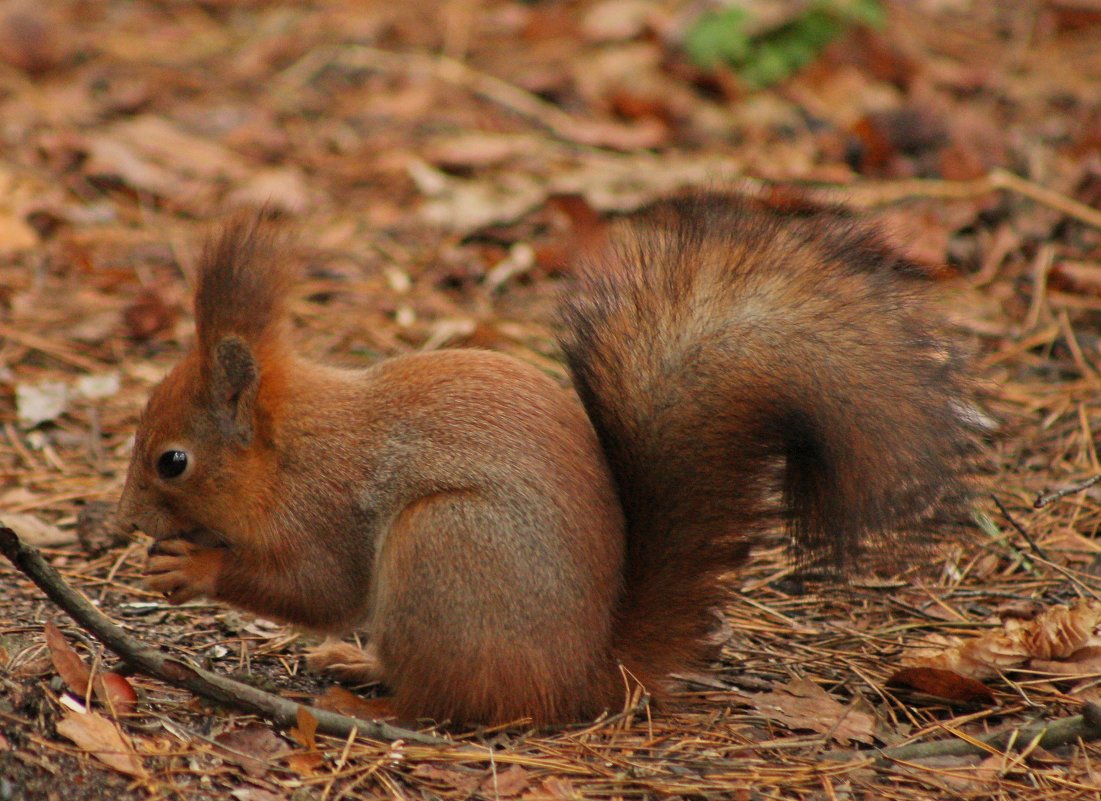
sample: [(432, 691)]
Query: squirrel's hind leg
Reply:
[(482, 615)]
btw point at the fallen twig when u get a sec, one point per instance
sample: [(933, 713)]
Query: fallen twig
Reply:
[(174, 671), (1044, 499), (1046, 734), (1020, 529)]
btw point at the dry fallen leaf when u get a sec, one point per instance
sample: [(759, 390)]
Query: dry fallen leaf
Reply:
[(1053, 635), (338, 699), (505, 783), (942, 683), (305, 763), (99, 737), (305, 732), (41, 403), (1084, 662), (254, 747), (454, 778), (67, 662), (802, 704), (37, 532)]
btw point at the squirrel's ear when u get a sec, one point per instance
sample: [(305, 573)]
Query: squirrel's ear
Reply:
[(235, 380)]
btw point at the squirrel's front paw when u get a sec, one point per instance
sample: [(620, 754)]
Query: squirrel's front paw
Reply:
[(183, 570)]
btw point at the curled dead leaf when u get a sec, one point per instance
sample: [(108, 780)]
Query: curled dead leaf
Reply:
[(1084, 662), (1053, 635)]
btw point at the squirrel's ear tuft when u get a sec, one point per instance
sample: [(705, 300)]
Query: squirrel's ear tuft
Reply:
[(242, 285), (234, 383)]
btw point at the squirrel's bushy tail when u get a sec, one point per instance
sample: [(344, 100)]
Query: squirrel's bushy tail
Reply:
[(747, 369)]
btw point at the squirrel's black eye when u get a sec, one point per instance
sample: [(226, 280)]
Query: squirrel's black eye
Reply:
[(172, 463)]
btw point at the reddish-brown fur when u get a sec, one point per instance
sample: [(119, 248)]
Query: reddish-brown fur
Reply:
[(505, 555)]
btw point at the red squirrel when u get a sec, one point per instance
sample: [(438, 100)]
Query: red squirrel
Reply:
[(517, 549)]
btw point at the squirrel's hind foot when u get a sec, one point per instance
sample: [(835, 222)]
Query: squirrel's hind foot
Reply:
[(346, 662)]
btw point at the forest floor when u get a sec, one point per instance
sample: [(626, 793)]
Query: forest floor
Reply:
[(436, 160)]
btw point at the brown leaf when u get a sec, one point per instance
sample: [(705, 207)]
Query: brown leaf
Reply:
[(505, 783), (804, 705), (305, 762), (152, 154), (305, 732), (1055, 634), (1084, 662), (453, 778), (941, 683), (920, 235), (68, 663), (338, 699), (254, 747), (99, 737)]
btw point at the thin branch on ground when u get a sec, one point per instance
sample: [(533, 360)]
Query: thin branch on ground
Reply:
[(1020, 529), (1047, 734), (1044, 499), (153, 662)]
